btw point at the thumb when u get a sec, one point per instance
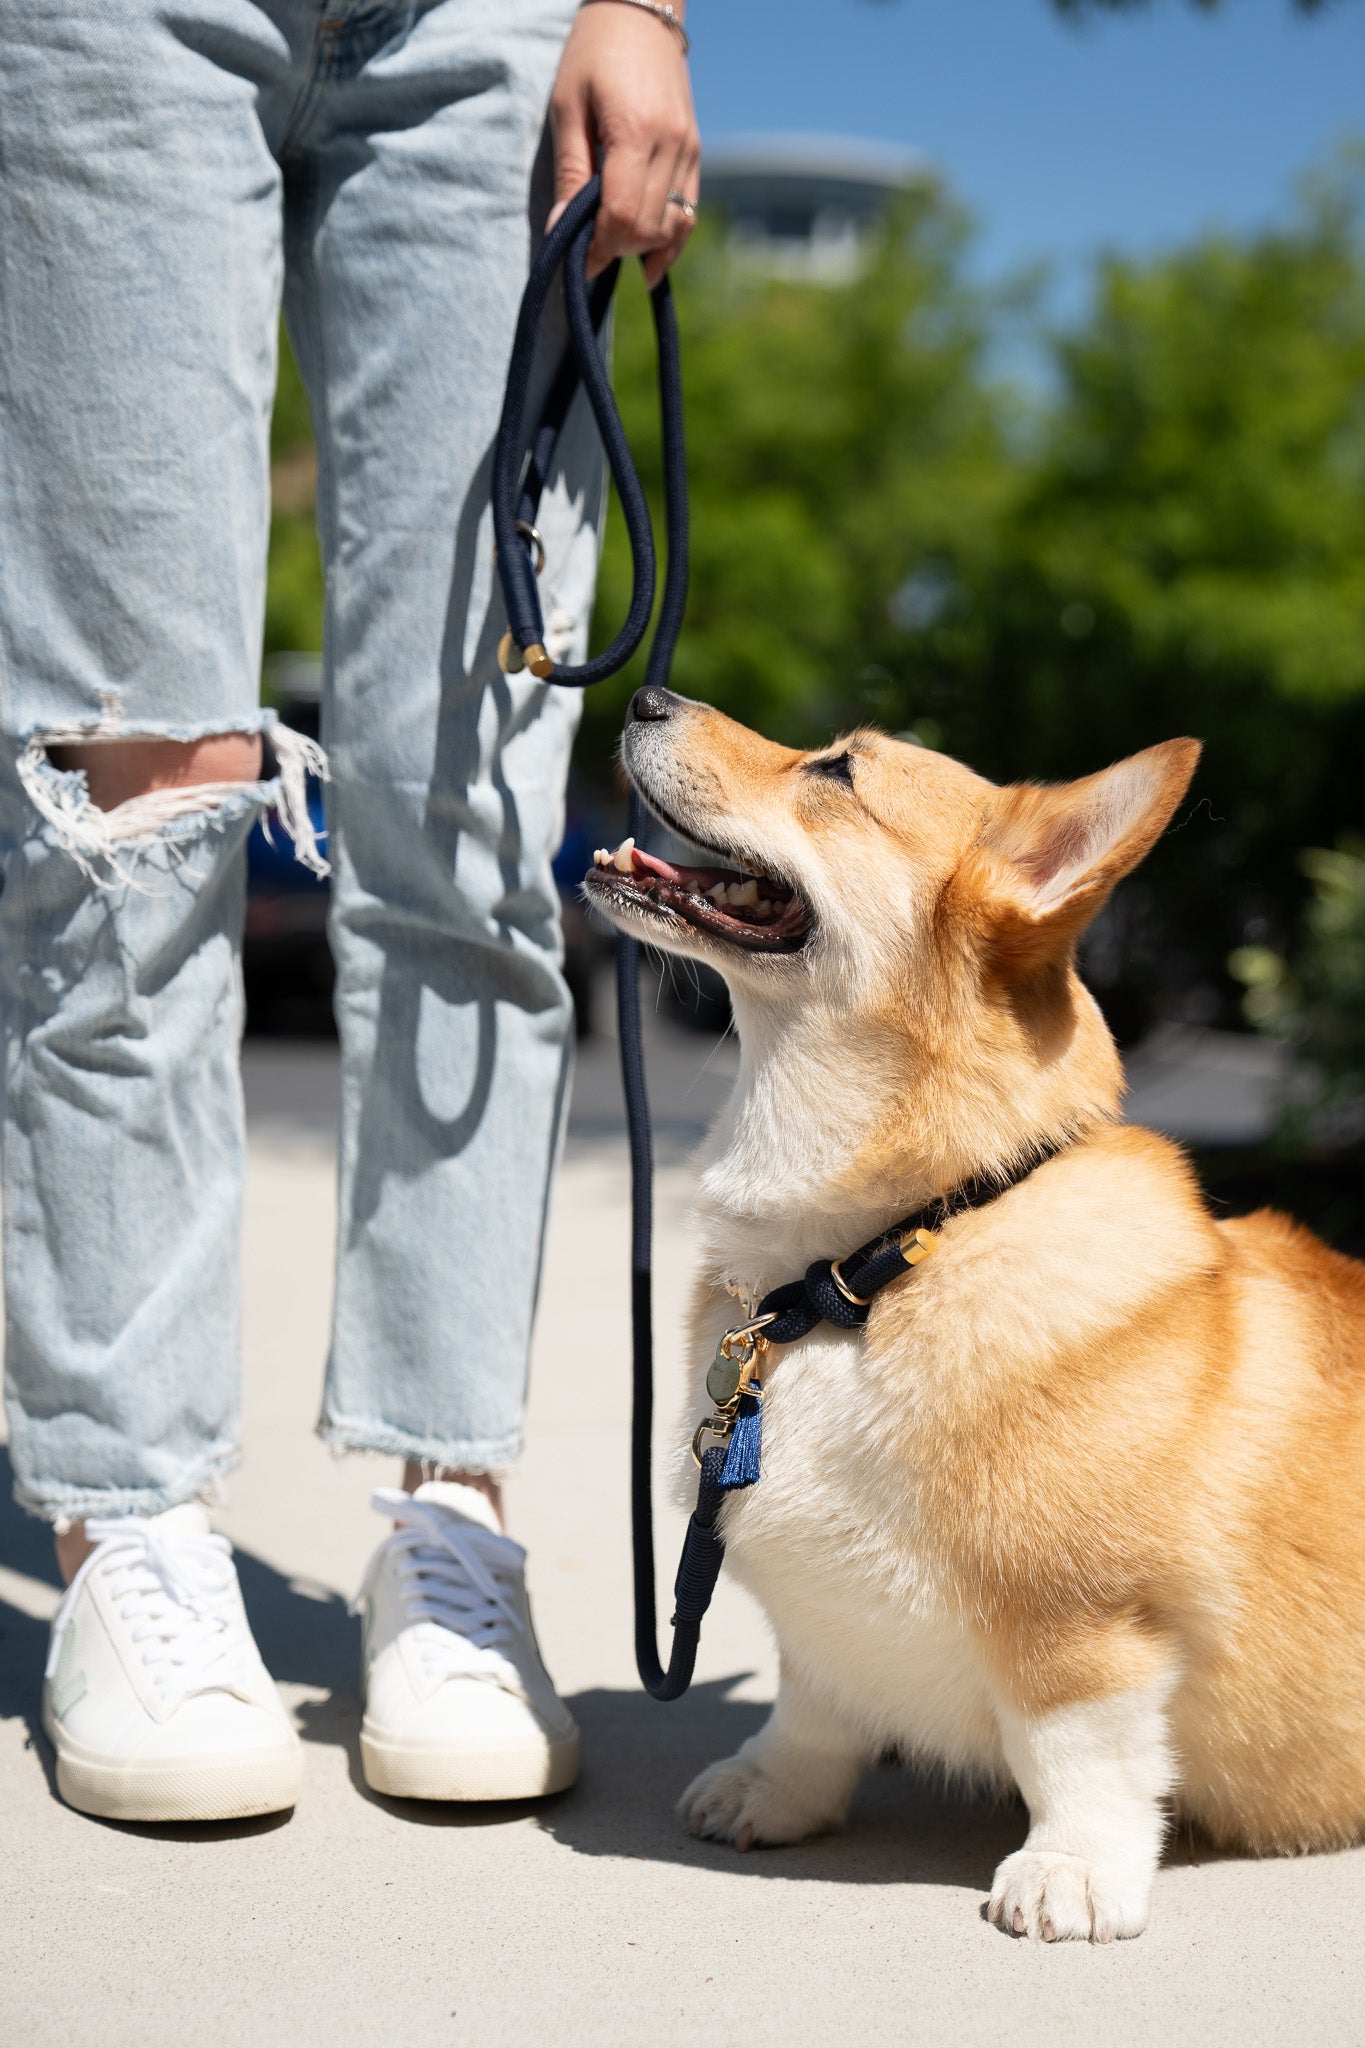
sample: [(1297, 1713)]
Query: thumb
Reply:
[(573, 153)]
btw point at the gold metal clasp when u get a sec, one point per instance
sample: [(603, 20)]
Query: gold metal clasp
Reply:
[(748, 1335), (720, 1426), (738, 1363)]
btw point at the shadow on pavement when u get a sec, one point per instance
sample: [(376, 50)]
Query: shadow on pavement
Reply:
[(26, 1547), (638, 1757)]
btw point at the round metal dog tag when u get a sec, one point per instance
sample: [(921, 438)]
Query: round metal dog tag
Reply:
[(722, 1381)]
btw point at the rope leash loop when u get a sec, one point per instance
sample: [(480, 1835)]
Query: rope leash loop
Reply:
[(516, 491)]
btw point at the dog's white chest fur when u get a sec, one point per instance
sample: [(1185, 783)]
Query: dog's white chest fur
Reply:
[(826, 1542)]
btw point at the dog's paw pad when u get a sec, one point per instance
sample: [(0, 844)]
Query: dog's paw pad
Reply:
[(1049, 1896), (735, 1801)]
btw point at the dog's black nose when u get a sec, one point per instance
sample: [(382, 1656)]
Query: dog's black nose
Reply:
[(650, 704)]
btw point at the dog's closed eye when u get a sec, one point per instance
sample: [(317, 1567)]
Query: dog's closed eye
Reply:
[(836, 767)]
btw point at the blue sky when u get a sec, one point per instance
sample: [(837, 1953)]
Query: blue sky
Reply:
[(1132, 132)]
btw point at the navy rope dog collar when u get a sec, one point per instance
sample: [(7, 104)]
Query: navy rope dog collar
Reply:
[(841, 1291), (838, 1291)]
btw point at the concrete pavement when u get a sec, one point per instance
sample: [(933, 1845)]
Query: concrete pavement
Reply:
[(592, 1918)]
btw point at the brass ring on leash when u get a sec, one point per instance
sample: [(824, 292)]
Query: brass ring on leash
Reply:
[(858, 1300), (532, 536)]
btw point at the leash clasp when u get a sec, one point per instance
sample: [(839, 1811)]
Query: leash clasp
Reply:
[(749, 1336), (720, 1426), (738, 1360), (737, 1365)]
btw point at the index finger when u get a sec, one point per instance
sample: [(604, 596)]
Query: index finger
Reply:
[(625, 170)]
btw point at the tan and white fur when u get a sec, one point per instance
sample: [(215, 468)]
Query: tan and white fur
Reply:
[(1081, 1509)]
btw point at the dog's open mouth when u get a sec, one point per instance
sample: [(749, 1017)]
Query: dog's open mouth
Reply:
[(744, 909)]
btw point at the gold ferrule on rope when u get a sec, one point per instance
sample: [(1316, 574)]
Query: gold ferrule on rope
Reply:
[(512, 660), (509, 656), (914, 1250)]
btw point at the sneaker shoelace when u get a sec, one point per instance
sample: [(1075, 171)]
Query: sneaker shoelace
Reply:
[(458, 1584), (174, 1592)]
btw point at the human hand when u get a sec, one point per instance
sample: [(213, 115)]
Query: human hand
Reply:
[(622, 103)]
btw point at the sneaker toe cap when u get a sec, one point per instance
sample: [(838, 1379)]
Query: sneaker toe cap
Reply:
[(210, 1723), (469, 1710)]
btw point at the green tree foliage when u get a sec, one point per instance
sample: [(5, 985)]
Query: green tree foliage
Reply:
[(1314, 1001), (1169, 538), (293, 605), (840, 439)]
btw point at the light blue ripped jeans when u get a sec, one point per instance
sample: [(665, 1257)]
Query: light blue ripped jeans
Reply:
[(167, 173)]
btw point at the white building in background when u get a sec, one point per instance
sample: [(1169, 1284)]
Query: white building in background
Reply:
[(803, 206)]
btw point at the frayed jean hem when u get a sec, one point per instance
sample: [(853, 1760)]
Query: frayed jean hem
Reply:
[(452, 1454), (60, 1504)]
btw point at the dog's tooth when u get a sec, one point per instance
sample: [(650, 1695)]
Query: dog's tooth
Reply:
[(624, 857), (717, 894), (744, 894)]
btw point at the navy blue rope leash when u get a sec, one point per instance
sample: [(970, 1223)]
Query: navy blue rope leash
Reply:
[(834, 1291), (517, 483)]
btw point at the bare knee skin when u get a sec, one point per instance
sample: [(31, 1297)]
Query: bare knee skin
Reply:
[(117, 770)]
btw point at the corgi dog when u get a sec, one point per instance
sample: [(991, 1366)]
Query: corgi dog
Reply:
[(1081, 1507)]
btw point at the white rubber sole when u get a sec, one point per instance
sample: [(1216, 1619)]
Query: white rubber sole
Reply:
[(226, 1785), (473, 1771)]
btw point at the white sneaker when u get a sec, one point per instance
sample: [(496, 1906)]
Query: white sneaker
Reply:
[(458, 1704), (155, 1697)]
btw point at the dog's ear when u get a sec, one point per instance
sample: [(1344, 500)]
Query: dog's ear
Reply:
[(1052, 855)]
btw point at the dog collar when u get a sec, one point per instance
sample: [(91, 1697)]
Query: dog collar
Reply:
[(838, 1291)]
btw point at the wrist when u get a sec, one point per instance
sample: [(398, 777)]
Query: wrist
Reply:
[(668, 13)]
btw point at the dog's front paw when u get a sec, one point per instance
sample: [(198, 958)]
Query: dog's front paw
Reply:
[(1053, 1897), (738, 1801)]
